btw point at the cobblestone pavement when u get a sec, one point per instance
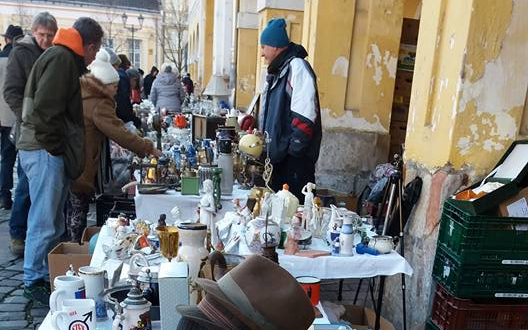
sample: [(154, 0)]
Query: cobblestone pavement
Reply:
[(16, 312)]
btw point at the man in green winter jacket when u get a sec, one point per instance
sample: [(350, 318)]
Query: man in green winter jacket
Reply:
[(51, 143)]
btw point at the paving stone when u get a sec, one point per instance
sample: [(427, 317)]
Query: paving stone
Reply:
[(17, 292), (37, 312), (19, 277), (17, 267), (12, 316), (13, 325), (11, 283), (13, 308), (15, 300), (8, 273), (6, 289)]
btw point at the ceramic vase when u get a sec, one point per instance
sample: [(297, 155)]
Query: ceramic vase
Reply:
[(256, 234), (192, 249)]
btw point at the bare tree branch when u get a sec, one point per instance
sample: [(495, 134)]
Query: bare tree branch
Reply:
[(111, 30), (22, 17), (175, 26)]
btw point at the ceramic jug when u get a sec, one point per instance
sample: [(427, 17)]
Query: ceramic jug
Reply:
[(136, 312), (290, 201), (346, 238)]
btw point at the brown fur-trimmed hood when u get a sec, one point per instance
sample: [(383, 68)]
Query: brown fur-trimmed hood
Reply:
[(93, 88)]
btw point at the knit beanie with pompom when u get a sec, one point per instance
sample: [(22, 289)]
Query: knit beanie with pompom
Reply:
[(102, 69)]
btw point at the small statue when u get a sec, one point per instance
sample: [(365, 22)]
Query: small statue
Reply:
[(258, 203), (207, 209), (294, 234), (266, 204), (243, 212), (308, 204), (161, 220), (317, 217)]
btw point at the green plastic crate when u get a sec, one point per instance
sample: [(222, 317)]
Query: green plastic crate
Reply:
[(479, 239), (431, 326), (479, 281)]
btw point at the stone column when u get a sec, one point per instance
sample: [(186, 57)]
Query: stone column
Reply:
[(469, 90)]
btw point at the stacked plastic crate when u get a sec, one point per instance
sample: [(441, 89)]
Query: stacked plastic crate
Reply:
[(481, 268)]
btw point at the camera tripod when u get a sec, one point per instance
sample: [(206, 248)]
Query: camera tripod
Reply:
[(394, 193)]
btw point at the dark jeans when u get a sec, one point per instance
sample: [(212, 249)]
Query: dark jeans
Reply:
[(296, 172), (21, 205), (8, 154)]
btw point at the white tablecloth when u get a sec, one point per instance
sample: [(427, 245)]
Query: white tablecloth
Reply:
[(333, 267), (149, 207), (103, 325)]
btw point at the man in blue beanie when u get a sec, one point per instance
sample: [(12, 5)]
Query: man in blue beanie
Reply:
[(290, 112)]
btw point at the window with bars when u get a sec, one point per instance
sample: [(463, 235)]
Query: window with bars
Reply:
[(134, 52), (108, 42)]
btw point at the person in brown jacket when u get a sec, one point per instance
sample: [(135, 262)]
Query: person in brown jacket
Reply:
[(100, 120)]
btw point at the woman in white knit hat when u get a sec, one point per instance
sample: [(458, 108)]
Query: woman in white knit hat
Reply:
[(100, 121)]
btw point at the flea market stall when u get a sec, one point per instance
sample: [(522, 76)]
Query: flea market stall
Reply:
[(203, 208)]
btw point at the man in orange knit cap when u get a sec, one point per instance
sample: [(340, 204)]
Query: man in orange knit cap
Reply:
[(51, 144)]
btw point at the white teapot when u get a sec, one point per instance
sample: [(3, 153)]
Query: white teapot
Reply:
[(135, 314)]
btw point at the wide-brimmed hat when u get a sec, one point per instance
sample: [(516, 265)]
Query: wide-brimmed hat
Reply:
[(13, 31), (259, 293)]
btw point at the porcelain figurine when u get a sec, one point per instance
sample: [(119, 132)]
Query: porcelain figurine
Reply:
[(207, 211), (294, 235), (317, 218), (266, 204), (308, 204)]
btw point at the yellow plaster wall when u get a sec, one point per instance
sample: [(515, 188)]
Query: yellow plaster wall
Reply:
[(329, 57), (294, 20), (373, 56), (246, 66), (412, 9), (208, 48), (470, 82)]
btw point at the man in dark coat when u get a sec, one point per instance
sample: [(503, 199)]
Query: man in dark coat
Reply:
[(149, 79), (290, 114), (25, 52), (11, 33), (51, 144), (7, 120)]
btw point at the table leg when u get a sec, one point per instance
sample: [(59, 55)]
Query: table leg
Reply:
[(340, 292), (357, 290), (380, 298)]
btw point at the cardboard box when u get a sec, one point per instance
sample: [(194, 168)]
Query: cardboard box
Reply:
[(66, 254), (88, 233), (516, 206), (364, 318)]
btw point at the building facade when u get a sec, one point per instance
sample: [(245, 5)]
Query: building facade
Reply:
[(141, 45)]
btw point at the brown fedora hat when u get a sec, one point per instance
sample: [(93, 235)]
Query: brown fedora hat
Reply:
[(262, 295)]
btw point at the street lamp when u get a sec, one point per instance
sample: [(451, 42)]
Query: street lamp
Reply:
[(132, 28)]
